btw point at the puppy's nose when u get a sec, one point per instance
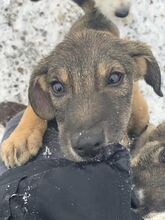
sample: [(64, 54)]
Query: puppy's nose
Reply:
[(122, 12), (89, 144)]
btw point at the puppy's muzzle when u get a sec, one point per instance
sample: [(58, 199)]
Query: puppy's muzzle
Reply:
[(89, 143)]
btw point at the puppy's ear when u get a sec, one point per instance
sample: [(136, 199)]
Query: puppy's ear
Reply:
[(146, 65), (39, 96)]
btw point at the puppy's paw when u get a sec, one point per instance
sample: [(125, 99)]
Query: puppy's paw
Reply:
[(21, 145)]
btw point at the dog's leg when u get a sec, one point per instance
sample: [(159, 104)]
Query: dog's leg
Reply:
[(140, 116), (25, 141)]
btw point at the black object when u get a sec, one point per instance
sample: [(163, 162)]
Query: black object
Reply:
[(53, 188), (62, 190)]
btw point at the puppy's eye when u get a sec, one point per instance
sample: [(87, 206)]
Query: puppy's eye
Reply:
[(115, 78), (58, 88), (162, 157)]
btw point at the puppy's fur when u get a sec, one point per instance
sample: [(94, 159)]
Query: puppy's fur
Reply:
[(148, 163), (90, 112)]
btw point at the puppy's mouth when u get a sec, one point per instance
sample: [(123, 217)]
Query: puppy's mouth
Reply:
[(90, 153), (102, 153), (99, 150)]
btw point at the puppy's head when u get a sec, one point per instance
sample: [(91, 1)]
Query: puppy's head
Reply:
[(148, 169), (86, 84), (114, 8)]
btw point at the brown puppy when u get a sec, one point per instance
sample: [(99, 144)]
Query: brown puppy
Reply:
[(148, 162), (89, 84)]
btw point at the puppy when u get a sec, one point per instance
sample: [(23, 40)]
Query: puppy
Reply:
[(88, 83), (148, 163)]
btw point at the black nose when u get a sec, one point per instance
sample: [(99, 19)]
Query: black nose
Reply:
[(122, 12), (90, 143)]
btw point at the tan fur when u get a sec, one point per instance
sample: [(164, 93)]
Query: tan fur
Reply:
[(42, 83), (141, 66), (102, 69), (25, 141), (63, 76), (140, 116)]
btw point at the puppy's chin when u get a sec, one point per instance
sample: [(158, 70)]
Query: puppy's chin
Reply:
[(72, 155), (111, 152)]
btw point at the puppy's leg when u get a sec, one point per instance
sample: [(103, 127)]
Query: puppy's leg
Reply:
[(140, 116), (25, 141)]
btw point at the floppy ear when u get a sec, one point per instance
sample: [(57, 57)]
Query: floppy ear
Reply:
[(39, 96), (146, 65)]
